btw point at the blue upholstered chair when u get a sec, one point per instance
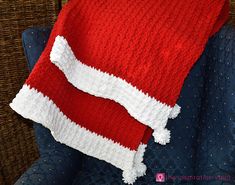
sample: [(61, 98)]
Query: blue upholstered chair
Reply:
[(203, 135)]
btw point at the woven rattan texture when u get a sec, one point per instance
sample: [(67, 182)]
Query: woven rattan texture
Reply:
[(17, 144), (232, 12)]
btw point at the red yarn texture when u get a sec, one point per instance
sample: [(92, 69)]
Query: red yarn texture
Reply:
[(151, 44), (101, 116)]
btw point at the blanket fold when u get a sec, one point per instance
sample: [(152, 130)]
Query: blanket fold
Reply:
[(112, 71)]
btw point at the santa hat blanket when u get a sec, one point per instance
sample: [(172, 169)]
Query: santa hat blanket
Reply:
[(112, 71)]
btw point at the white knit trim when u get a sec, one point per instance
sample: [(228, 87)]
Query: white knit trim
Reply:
[(139, 168), (141, 106), (33, 105), (138, 161)]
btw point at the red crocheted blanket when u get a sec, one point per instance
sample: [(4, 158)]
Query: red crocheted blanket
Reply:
[(112, 72)]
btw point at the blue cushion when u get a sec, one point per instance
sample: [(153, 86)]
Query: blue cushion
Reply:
[(58, 164), (216, 140), (55, 168)]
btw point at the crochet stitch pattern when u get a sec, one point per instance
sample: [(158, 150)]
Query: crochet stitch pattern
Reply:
[(112, 71)]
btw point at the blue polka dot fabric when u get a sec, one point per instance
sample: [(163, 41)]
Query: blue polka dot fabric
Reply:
[(51, 169), (216, 137), (202, 148)]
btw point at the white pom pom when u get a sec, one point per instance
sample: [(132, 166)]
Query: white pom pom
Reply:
[(129, 176), (162, 136), (175, 111)]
